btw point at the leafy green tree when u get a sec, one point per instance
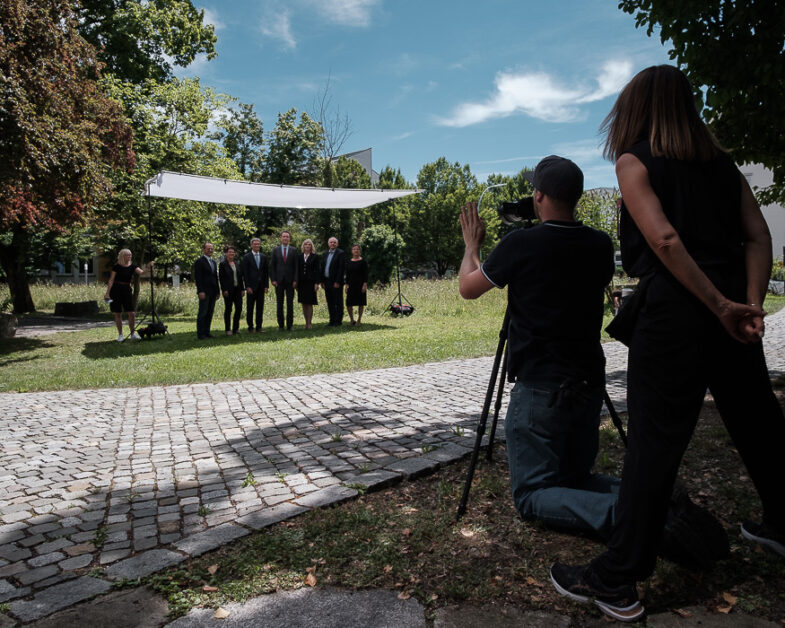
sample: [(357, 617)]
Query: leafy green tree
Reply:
[(341, 223), (293, 158), (394, 214), (171, 121), (734, 54), (434, 233), (60, 135), (241, 133), (601, 212), (293, 155), (379, 250), (141, 39)]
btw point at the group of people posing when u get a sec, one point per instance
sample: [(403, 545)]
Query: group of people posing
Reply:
[(288, 270)]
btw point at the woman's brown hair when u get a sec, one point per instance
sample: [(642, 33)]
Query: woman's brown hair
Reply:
[(658, 105)]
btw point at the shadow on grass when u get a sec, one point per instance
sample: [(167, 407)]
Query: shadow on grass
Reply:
[(11, 346), (186, 340)]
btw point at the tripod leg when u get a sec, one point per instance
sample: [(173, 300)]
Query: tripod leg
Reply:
[(483, 417), (615, 417), (497, 408)]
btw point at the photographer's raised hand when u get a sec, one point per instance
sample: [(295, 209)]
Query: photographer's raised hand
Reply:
[(471, 282)]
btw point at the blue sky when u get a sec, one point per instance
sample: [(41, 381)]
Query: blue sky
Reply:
[(496, 85)]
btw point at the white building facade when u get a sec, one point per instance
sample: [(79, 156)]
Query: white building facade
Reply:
[(760, 177)]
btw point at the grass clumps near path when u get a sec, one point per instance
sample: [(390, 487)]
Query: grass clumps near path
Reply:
[(406, 538)]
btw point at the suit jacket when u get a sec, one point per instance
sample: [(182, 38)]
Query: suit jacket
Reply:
[(255, 278), (226, 276), (308, 270), (280, 271), (337, 267), (205, 277)]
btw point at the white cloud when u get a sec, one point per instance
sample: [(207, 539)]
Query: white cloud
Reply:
[(211, 17), (540, 96), (277, 25), (346, 12)]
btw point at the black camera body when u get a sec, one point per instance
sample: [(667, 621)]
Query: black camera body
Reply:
[(518, 211)]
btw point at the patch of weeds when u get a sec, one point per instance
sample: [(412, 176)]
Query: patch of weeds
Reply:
[(361, 488), (337, 437), (203, 511), (281, 475), (132, 497), (364, 467), (249, 480), (427, 448), (126, 583), (269, 460), (99, 538), (752, 603), (5, 607), (97, 572)]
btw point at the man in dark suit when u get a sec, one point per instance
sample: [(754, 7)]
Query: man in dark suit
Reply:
[(333, 269), (254, 269), (283, 275), (206, 279)]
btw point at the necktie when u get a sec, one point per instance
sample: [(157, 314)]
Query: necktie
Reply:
[(284, 253), (256, 257)]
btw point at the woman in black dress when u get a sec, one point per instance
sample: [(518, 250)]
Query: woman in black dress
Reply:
[(232, 288), (356, 284), (307, 280), (119, 295)]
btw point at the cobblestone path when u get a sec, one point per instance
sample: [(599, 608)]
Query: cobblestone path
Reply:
[(100, 485)]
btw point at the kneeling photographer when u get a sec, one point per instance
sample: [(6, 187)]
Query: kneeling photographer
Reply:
[(556, 273)]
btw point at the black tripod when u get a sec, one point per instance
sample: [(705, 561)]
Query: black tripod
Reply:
[(400, 305), (155, 326), (501, 358)]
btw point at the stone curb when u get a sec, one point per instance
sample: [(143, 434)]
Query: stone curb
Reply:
[(202, 542), (58, 597)]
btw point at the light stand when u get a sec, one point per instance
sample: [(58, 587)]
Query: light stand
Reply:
[(403, 307), (155, 326)]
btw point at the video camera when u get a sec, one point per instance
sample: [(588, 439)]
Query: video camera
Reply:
[(518, 211)]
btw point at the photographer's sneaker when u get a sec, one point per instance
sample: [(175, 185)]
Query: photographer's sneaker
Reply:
[(120, 338), (135, 336), (764, 535), (578, 583)]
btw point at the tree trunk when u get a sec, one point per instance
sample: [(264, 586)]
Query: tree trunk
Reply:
[(12, 259)]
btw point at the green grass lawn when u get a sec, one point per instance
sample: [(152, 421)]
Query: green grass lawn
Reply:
[(443, 327)]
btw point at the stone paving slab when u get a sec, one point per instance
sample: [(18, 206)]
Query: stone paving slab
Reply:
[(58, 597), (308, 608), (119, 479)]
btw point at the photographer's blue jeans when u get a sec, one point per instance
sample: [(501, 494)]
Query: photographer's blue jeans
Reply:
[(551, 452)]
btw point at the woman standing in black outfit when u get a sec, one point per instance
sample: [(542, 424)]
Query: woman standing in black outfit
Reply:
[(356, 284), (118, 292), (693, 232), (307, 280), (232, 288)]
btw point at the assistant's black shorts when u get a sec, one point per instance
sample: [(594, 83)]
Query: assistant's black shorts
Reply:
[(122, 299)]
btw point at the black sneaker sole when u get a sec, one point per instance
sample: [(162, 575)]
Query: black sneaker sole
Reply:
[(773, 545), (620, 613)]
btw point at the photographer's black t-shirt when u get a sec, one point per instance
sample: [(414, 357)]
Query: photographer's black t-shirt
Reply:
[(556, 273)]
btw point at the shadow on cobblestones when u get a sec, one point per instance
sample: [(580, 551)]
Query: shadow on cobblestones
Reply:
[(76, 503)]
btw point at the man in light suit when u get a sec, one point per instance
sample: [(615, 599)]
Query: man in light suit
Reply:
[(206, 279), (283, 275), (332, 273), (254, 270)]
